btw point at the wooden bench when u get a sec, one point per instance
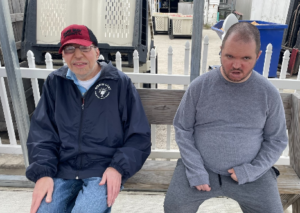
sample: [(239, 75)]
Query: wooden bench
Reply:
[(161, 106)]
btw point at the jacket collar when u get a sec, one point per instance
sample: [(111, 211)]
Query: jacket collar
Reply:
[(108, 71)]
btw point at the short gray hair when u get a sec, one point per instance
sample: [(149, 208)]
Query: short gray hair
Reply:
[(246, 32)]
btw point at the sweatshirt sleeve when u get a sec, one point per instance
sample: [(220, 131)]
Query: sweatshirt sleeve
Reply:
[(184, 134), (136, 148), (43, 140), (275, 141)]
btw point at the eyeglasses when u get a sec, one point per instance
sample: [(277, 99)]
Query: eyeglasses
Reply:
[(71, 49)]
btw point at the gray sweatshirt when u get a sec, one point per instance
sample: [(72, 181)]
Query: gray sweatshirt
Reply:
[(221, 125)]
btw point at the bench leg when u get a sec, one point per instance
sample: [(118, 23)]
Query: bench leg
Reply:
[(287, 200), (296, 206)]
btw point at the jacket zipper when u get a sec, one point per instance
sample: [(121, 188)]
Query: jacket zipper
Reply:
[(79, 138), (82, 109)]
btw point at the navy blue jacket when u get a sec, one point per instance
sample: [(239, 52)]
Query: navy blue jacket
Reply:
[(72, 136)]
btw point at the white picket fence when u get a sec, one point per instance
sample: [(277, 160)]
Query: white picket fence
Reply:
[(137, 78)]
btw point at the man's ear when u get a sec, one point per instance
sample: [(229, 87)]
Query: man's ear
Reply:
[(258, 55), (97, 53)]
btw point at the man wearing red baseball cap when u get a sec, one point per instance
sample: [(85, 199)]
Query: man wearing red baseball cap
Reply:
[(89, 132)]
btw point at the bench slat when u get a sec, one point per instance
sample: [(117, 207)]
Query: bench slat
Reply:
[(160, 105), (288, 181), (156, 176)]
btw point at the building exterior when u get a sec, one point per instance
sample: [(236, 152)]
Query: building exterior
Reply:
[(211, 11), (268, 10), (185, 7)]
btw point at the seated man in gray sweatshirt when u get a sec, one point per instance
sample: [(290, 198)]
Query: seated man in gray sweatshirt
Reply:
[(230, 129)]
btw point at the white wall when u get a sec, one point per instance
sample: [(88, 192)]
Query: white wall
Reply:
[(211, 11), (244, 7), (212, 14), (217, 2), (270, 10), (185, 8)]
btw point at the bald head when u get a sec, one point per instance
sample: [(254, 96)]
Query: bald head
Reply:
[(245, 32)]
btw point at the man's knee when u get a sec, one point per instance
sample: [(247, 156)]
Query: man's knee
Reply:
[(92, 209), (49, 207), (168, 204), (180, 208), (171, 206)]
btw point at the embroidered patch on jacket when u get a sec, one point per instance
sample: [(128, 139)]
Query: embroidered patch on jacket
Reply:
[(102, 91)]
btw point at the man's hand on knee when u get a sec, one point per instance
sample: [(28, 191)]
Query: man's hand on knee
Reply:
[(112, 178), (42, 187), (233, 175), (204, 187)]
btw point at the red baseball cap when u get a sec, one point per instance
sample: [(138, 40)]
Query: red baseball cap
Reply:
[(77, 34)]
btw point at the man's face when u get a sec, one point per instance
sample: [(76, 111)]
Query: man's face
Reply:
[(238, 58), (83, 64)]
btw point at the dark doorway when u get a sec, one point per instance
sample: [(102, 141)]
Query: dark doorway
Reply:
[(169, 6)]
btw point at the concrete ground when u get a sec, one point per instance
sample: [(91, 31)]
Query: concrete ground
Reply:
[(162, 44), (18, 200)]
